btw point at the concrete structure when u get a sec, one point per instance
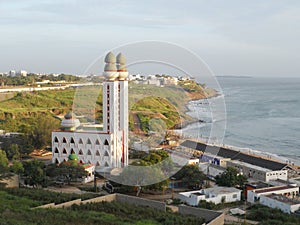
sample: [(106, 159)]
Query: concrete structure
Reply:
[(257, 172), (214, 159), (107, 148), (291, 191), (215, 195), (211, 170), (285, 204)]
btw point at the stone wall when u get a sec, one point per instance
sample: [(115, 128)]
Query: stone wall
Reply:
[(211, 217), (68, 204), (106, 198)]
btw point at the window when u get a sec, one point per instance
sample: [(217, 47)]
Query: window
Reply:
[(97, 164), (106, 153), (234, 196), (56, 150), (80, 152), (64, 140), (72, 151), (56, 161), (89, 152), (89, 141), (64, 151), (56, 140), (97, 153), (106, 164), (80, 141), (97, 142), (106, 142), (72, 140)]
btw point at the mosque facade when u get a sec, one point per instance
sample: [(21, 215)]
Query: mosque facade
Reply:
[(107, 148)]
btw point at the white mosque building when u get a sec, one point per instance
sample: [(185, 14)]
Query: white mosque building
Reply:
[(107, 148)]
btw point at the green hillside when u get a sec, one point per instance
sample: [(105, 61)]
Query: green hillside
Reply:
[(146, 102)]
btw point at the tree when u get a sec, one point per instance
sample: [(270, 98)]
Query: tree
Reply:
[(13, 152), (4, 170), (34, 173), (66, 172), (191, 176), (231, 178), (41, 133)]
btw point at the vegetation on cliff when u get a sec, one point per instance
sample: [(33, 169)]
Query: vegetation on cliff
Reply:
[(151, 108)]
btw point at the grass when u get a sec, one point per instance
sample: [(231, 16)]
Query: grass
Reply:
[(146, 101), (15, 210)]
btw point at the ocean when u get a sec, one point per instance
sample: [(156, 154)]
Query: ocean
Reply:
[(262, 114)]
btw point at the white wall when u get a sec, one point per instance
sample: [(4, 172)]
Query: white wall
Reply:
[(251, 195), (273, 203), (279, 174)]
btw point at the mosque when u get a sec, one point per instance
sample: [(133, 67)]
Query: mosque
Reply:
[(107, 148)]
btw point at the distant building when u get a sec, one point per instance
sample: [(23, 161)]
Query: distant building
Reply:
[(215, 195), (106, 148), (22, 73), (214, 159), (257, 172), (12, 73), (281, 202), (290, 191)]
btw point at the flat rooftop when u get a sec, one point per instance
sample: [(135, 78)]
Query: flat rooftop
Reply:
[(272, 189), (283, 199), (237, 162)]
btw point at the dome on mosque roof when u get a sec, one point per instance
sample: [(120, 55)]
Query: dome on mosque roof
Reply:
[(121, 59), (110, 67), (110, 58), (73, 157)]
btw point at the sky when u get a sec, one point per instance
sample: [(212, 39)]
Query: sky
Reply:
[(234, 37)]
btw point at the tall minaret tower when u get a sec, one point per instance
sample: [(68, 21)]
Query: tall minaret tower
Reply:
[(115, 106), (123, 96)]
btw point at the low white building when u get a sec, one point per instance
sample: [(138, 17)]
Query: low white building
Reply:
[(215, 195), (285, 204), (257, 172), (254, 196)]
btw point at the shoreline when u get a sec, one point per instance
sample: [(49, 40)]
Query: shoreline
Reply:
[(258, 153), (192, 120)]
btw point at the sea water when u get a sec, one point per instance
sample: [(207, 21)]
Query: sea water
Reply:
[(261, 114)]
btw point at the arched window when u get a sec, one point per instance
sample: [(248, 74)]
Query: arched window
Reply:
[(106, 142), (106, 153), (72, 151), (97, 142), (80, 141), (80, 152), (72, 140), (64, 140), (56, 140), (97, 164), (97, 153), (64, 151), (56, 161), (81, 161), (88, 141), (89, 152), (106, 164), (89, 162), (56, 150)]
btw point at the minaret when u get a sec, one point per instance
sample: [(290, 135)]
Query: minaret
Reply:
[(123, 96), (110, 95), (115, 107)]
